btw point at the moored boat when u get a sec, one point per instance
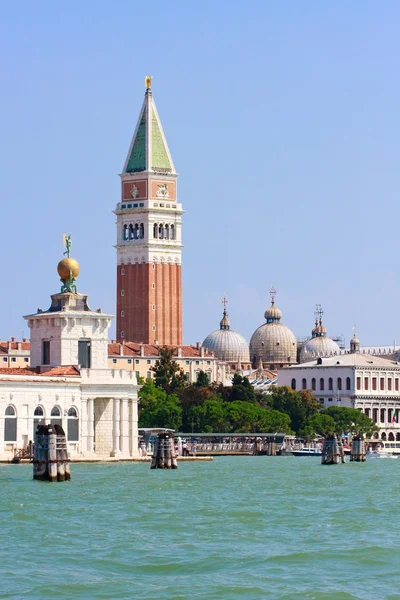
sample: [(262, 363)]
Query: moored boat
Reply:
[(307, 452)]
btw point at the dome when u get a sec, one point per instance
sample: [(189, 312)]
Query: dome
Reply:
[(227, 344), (273, 342), (320, 345), (68, 266)]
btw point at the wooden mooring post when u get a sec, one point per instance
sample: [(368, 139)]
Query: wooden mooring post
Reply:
[(357, 450), (332, 451), (164, 456), (50, 458)]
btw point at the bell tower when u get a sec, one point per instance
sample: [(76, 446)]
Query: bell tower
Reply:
[(149, 247)]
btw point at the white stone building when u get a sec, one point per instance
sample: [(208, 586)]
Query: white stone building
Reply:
[(69, 383), (368, 383)]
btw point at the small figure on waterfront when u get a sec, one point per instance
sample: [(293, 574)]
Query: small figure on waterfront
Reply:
[(143, 449), (185, 451), (194, 448)]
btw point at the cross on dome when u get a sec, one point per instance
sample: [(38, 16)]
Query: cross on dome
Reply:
[(272, 293)]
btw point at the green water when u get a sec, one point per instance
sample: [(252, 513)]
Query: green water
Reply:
[(239, 527)]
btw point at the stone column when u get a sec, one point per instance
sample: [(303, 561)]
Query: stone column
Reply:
[(116, 427), (90, 425), (124, 427), (134, 441)]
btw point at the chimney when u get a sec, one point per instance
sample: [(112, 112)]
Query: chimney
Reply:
[(179, 352), (113, 341), (141, 349), (198, 345), (19, 346), (24, 339), (13, 339), (121, 349)]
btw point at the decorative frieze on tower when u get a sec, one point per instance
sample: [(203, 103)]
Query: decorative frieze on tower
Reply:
[(149, 247)]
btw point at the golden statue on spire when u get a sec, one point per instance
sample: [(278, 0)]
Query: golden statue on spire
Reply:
[(147, 81)]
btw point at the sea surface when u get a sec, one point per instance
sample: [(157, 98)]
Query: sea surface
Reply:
[(238, 527)]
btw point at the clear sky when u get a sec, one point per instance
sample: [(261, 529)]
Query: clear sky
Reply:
[(282, 118)]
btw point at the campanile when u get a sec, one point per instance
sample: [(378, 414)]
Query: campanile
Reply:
[(149, 246)]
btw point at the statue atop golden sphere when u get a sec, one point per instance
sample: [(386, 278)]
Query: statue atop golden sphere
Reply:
[(68, 268)]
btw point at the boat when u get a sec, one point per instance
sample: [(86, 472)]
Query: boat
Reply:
[(380, 454), (307, 452)]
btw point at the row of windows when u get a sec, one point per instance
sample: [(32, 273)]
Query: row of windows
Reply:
[(163, 231), (13, 359), (148, 361), (141, 205), (10, 422), (138, 205), (133, 232), (382, 415), (374, 383), (339, 384)]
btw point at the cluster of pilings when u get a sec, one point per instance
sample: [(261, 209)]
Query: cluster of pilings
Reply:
[(164, 455), (50, 458), (332, 451), (358, 452)]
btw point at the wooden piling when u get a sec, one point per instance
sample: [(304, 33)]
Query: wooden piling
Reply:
[(50, 460), (164, 456), (357, 451), (332, 451)]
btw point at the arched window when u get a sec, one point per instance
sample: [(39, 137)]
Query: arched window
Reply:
[(293, 384), (136, 232), (125, 234), (73, 425), (313, 384), (172, 232), (322, 384), (330, 384), (367, 411), (161, 231), (397, 437), (304, 383), (339, 383), (131, 231), (10, 424), (348, 383), (383, 436), (166, 232), (391, 437), (155, 231), (38, 416), (55, 416), (141, 231)]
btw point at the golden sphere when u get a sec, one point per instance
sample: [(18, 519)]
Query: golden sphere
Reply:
[(65, 266)]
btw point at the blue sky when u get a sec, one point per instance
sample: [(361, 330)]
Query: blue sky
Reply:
[(282, 119)]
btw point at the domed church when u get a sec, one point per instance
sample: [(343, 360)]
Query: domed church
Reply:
[(320, 345), (273, 343), (226, 344)]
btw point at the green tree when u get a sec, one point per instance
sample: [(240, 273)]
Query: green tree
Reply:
[(350, 420), (319, 424), (248, 417), (211, 416), (299, 405), (157, 408), (202, 380), (167, 373)]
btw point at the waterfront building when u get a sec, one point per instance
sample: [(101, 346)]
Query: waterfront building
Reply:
[(319, 345), (68, 381), (228, 345), (14, 353), (149, 246), (368, 383), (273, 343), (141, 357)]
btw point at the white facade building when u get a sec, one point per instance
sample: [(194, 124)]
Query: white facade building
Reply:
[(368, 383), (69, 383)]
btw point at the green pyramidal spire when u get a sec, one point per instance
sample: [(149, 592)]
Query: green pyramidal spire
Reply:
[(149, 149)]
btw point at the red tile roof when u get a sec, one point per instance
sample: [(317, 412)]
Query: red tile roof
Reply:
[(133, 349), (67, 371), (5, 347)]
